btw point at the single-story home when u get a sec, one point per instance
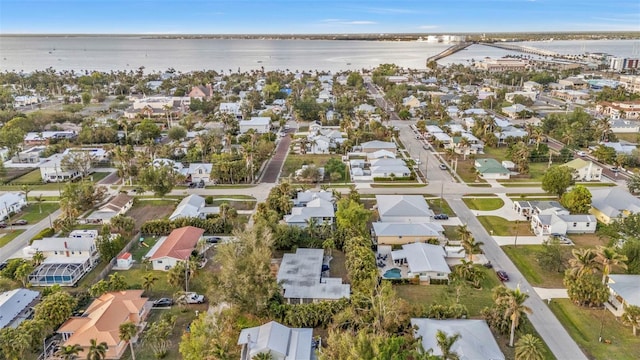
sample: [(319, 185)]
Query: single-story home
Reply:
[(547, 224), (16, 306), (403, 209), (52, 170), (176, 247), (102, 319), (319, 210), (193, 206), (624, 291), (11, 203), (119, 205), (387, 233), (425, 261), (301, 279), (375, 145), (491, 169), (476, 341), (608, 204), (261, 125), (277, 340)]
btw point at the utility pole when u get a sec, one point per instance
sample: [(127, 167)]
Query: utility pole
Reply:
[(515, 241)]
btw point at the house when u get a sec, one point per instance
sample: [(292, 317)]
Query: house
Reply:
[(201, 92), (261, 125), (67, 259), (608, 204), (119, 205), (318, 210), (52, 170), (102, 319), (491, 169), (44, 137), (16, 306), (157, 106), (585, 170), (380, 154), (411, 102), (531, 95), (530, 208), (515, 111), (621, 148), (301, 278), (531, 86), (620, 109), (231, 108), (575, 96), (388, 171), (624, 291), (547, 224), (304, 197), (176, 247), (11, 203), (425, 261), (277, 340), (375, 145), (193, 206), (198, 173), (476, 340), (624, 126), (403, 209), (387, 233), (365, 108)]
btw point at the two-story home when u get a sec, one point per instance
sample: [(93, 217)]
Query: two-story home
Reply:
[(549, 217), (585, 170), (198, 173), (318, 210)]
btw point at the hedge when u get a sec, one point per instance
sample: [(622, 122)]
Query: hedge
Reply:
[(46, 232)]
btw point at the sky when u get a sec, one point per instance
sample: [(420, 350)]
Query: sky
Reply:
[(314, 16)]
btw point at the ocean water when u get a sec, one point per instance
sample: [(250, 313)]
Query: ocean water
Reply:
[(108, 53)]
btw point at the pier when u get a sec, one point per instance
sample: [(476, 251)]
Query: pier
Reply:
[(450, 51)]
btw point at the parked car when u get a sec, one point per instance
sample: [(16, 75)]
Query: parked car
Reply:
[(441, 217), (3, 225), (20, 222), (192, 298), (425, 147), (214, 239), (502, 275), (581, 153), (443, 167), (615, 169), (163, 302)]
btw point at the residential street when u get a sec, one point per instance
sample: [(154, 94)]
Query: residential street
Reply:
[(22, 240)]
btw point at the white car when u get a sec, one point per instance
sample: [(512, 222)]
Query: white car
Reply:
[(581, 153), (191, 298)]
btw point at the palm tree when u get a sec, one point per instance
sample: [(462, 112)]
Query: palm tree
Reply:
[(69, 352), (631, 317), (127, 332), (38, 258), (97, 351), (463, 232), (529, 347), (471, 246), (25, 190), (515, 308), (263, 356), (584, 261), (445, 343), (39, 200), (609, 257), (148, 281)]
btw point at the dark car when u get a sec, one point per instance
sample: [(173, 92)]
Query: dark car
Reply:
[(214, 239), (3, 265), (3, 225), (441, 217), (163, 302), (443, 167), (502, 275), (20, 222)]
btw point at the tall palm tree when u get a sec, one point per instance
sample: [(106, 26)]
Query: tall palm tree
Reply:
[(148, 281), (471, 246), (97, 351), (69, 352), (631, 317), (514, 308), (26, 189), (38, 258), (126, 333), (529, 347), (584, 261), (445, 343), (609, 257), (463, 232)]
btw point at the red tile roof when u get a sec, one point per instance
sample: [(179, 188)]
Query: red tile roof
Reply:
[(179, 244)]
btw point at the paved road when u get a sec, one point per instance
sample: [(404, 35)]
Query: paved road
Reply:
[(545, 322), (22, 240), (272, 171)]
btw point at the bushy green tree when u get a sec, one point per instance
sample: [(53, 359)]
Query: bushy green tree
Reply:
[(578, 200), (557, 179)]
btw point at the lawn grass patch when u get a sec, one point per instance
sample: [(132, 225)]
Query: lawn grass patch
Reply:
[(230, 186), (596, 184), (503, 227), (468, 173), (440, 206), (629, 137), (411, 184), (583, 324), (450, 232), (295, 162), (9, 236), (97, 176), (32, 177), (32, 212), (526, 260), (475, 300), (498, 153), (483, 203)]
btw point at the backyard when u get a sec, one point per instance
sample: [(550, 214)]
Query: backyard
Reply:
[(499, 226), (295, 162), (586, 325)]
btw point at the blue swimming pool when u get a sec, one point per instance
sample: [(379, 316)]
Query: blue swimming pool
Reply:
[(392, 274)]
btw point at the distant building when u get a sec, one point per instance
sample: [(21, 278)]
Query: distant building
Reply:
[(503, 64), (11, 203), (261, 125), (620, 109), (201, 92)]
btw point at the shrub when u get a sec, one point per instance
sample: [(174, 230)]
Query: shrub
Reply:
[(46, 232)]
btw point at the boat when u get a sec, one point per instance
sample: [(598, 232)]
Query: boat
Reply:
[(259, 61)]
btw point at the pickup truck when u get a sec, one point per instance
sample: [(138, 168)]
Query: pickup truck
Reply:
[(191, 298)]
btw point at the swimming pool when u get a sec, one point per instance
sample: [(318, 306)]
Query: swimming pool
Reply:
[(392, 274)]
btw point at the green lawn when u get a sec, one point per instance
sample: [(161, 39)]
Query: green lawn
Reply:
[(499, 154), (474, 300), (8, 236), (630, 137), (97, 176), (230, 186), (525, 258), (242, 197), (450, 232), (134, 278), (583, 324), (295, 162), (503, 227), (32, 212), (138, 251), (33, 177), (440, 206), (484, 203), (410, 184)]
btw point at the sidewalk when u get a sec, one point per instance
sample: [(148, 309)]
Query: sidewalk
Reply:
[(546, 294), (522, 240)]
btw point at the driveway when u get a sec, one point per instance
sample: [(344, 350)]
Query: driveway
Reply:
[(273, 168)]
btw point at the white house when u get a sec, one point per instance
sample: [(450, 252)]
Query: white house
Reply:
[(231, 108), (193, 206), (557, 220), (16, 306), (403, 209), (624, 291), (176, 247), (51, 170), (198, 172), (277, 340), (261, 125), (584, 170), (11, 203), (491, 169), (425, 261), (319, 210), (119, 205), (515, 110)]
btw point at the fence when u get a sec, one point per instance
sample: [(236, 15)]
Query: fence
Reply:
[(113, 261)]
